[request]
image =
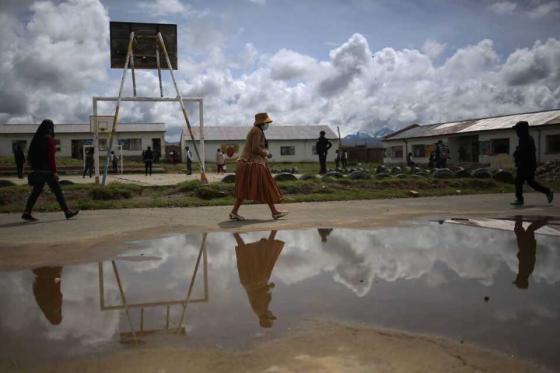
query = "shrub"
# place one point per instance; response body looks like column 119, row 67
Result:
column 308, row 177
column 6, row 183
column 208, row 192
column 285, row 177
column 110, row 193
column 229, row 179
column 188, row 186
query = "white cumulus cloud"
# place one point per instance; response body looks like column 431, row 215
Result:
column 503, row 8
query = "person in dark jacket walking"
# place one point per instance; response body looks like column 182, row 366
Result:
column 20, row 160
column 41, row 157
column 527, row 245
column 525, row 156
column 323, row 145
column 46, row 289
column 148, row 160
column 89, row 163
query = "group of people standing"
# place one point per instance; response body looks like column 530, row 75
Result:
column 438, row 157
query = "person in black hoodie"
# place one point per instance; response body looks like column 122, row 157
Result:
column 527, row 249
column 526, row 163
column 20, row 160
column 148, row 157
column 41, row 158
column 323, row 145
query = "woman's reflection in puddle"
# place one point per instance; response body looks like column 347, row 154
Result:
column 324, row 233
column 527, row 245
column 46, row 289
column 255, row 262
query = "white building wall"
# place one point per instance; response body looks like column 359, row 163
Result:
column 6, row 144
column 544, row 154
column 496, row 161
column 65, row 140
column 499, row 160
column 303, row 150
column 407, row 148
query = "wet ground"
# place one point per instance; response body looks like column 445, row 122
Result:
column 493, row 283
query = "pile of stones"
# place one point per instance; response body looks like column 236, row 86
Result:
column 293, row 170
column 549, row 171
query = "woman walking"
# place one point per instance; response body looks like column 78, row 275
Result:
column 255, row 262
column 253, row 180
column 41, row 158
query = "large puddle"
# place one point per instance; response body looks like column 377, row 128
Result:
column 493, row 282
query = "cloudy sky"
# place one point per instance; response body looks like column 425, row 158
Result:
column 357, row 64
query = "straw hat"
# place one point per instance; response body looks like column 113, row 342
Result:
column 262, row 118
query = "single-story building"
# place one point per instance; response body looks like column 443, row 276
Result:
column 485, row 140
column 286, row 143
column 70, row 138
column 369, row 149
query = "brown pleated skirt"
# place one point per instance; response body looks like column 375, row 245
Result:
column 254, row 182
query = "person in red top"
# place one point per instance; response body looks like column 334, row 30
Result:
column 41, row 158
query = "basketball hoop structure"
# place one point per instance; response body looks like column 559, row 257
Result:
column 182, row 302
column 140, row 46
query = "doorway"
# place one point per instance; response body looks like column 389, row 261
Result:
column 156, row 146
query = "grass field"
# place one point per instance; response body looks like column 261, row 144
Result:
column 135, row 163
column 193, row 193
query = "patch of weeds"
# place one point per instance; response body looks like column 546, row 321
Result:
column 188, row 186
column 297, row 188
column 308, row 177
column 6, row 183
column 346, row 182
column 323, row 189
column 209, row 192
column 111, row 193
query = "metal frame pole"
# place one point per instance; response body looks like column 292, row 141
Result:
column 123, row 298
column 101, row 287
column 133, row 75
column 95, row 141
column 201, row 125
column 113, row 130
column 193, row 278
column 203, row 177
column 159, row 70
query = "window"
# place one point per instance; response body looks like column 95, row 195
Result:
column 500, row 146
column 553, row 144
column 396, row 152
column 287, row 150
column 314, row 149
column 419, row 150
column 484, row 147
column 57, row 144
column 103, row 144
column 131, row 144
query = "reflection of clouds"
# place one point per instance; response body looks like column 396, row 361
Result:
column 357, row 258
column 353, row 258
column 81, row 318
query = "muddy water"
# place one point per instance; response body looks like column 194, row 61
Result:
column 492, row 282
